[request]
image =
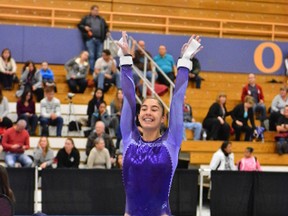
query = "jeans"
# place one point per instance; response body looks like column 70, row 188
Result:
column 100, row 80
column 45, row 122
column 196, row 127
column 12, row 158
column 94, row 47
column 197, row 79
column 31, row 123
column 77, row 85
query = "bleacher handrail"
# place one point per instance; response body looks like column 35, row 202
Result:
column 221, row 29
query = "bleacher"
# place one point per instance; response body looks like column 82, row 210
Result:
column 254, row 19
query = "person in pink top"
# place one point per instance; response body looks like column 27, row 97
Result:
column 249, row 162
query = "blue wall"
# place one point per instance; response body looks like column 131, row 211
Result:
column 57, row 45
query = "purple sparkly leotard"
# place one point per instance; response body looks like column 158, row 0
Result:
column 148, row 167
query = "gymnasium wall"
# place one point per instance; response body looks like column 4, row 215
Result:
column 57, row 45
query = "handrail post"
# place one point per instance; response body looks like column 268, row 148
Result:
column 144, row 90
column 201, row 192
column 36, row 190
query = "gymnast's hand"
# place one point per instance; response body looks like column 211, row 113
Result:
column 190, row 49
column 123, row 45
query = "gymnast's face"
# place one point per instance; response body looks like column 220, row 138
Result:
column 151, row 115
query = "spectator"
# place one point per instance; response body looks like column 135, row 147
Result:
column 214, row 122
column 43, row 154
column 99, row 156
column 223, row 159
column 115, row 110
column 7, row 69
column 277, row 108
column 166, row 63
column 106, row 71
column 249, row 162
column 189, row 122
column 94, row 103
column 240, row 115
column 100, row 132
column 15, row 141
column 47, row 75
column 94, row 30
column 282, row 129
column 101, row 115
column 256, row 92
column 194, row 73
column 119, row 161
column 31, row 79
column 68, row 156
column 5, row 122
column 77, row 69
column 5, row 188
column 26, row 110
column 50, row 113
column 139, row 62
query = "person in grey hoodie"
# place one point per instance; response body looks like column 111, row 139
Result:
column 43, row 154
column 77, row 70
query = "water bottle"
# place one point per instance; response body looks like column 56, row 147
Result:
column 204, row 135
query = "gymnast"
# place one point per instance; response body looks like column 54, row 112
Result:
column 150, row 160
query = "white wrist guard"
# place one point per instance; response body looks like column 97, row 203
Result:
column 183, row 62
column 126, row 60
column 192, row 49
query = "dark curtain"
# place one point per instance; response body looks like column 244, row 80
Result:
column 231, row 193
column 22, row 181
column 271, row 194
column 87, row 192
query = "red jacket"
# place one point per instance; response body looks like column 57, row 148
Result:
column 245, row 92
column 11, row 137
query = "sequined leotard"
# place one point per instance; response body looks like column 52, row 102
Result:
column 148, row 167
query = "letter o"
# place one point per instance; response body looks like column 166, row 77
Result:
column 258, row 57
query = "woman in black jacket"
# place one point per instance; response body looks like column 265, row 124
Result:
column 214, row 122
column 94, row 103
column 240, row 115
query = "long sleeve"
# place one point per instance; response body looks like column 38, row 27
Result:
column 43, row 109
column 176, row 107
column 258, row 167
column 69, row 68
column 275, row 102
column 244, row 92
column 215, row 162
column 127, row 121
column 57, row 107
column 13, row 64
column 37, row 156
column 91, row 159
column 251, row 117
column 38, row 80
column 107, row 159
column 5, row 110
column 2, row 67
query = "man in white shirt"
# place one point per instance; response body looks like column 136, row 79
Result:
column 105, row 71
column 50, row 113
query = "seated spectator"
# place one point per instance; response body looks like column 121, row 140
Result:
column 240, row 115
column 15, row 141
column 7, row 69
column 47, row 76
column 139, row 62
column 68, row 156
column 99, row 156
column 282, row 129
column 101, row 115
column 43, row 154
column 194, row 73
column 106, row 72
column 94, row 103
column 5, row 188
column 277, row 108
column 5, row 122
column 31, row 79
column 166, row 63
column 26, row 110
column 214, row 122
column 249, row 162
column 223, row 159
column 100, row 132
column 254, row 90
column 115, row 110
column 189, row 122
column 50, row 113
column 77, row 70
column 119, row 161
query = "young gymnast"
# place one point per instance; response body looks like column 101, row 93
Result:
column 149, row 162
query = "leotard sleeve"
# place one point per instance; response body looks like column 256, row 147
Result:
column 128, row 114
column 176, row 106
